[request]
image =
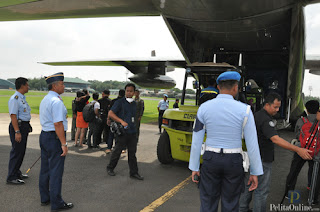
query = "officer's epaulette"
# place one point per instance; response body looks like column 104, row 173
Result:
column 16, row 97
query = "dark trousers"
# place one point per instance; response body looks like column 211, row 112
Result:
column 221, row 177
column 73, row 127
column 296, row 166
column 17, row 151
column 110, row 139
column 161, row 112
column 129, row 141
column 138, row 129
column 105, row 132
column 51, row 172
column 95, row 131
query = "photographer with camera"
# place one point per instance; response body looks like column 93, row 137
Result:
column 111, row 136
column 123, row 111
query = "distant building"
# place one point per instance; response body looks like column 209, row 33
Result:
column 5, row 84
column 114, row 92
column 75, row 84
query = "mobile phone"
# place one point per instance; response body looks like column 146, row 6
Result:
column 196, row 178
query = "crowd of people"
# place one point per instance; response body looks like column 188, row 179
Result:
column 222, row 172
column 97, row 131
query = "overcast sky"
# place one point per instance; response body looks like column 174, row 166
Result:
column 25, row 43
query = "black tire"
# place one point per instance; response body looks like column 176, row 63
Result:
column 164, row 149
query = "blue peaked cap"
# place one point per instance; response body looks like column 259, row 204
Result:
column 228, row 75
column 54, row 77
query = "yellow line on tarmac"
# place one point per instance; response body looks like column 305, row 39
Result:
column 166, row 196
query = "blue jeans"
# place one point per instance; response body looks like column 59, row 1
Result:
column 260, row 194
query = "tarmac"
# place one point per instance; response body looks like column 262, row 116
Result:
column 88, row 186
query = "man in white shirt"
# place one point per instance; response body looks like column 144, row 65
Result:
column 96, row 124
column 162, row 106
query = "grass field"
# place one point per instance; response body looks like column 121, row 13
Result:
column 34, row 98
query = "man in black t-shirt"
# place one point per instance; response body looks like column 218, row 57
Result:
column 124, row 111
column 105, row 103
column 176, row 104
column 111, row 135
column 267, row 137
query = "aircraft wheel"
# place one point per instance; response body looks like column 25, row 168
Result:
column 164, row 149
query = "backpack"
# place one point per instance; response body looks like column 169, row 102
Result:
column 309, row 136
column 88, row 112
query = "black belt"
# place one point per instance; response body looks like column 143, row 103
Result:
column 22, row 122
column 51, row 131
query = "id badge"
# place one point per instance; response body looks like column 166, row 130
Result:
column 132, row 119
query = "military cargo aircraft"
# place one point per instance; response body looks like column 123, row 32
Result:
column 270, row 35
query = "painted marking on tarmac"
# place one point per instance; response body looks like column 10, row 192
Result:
column 166, row 196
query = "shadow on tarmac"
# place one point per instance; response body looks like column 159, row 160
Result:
column 87, row 185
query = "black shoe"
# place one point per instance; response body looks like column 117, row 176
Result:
column 111, row 172
column 96, row 147
column 89, row 147
column 45, row 203
column 15, row 182
column 315, row 202
column 66, row 206
column 24, row 176
column 137, row 176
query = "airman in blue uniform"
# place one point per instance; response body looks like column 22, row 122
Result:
column 19, row 129
column 222, row 170
column 162, row 106
column 53, row 119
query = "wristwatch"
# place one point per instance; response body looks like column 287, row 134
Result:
column 17, row 131
column 64, row 144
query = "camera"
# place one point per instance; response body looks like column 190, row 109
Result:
column 117, row 128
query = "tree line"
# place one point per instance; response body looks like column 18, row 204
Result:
column 307, row 98
column 41, row 85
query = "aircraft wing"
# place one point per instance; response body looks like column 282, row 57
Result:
column 313, row 64
column 13, row 10
column 147, row 73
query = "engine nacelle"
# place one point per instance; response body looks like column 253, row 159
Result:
column 153, row 81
